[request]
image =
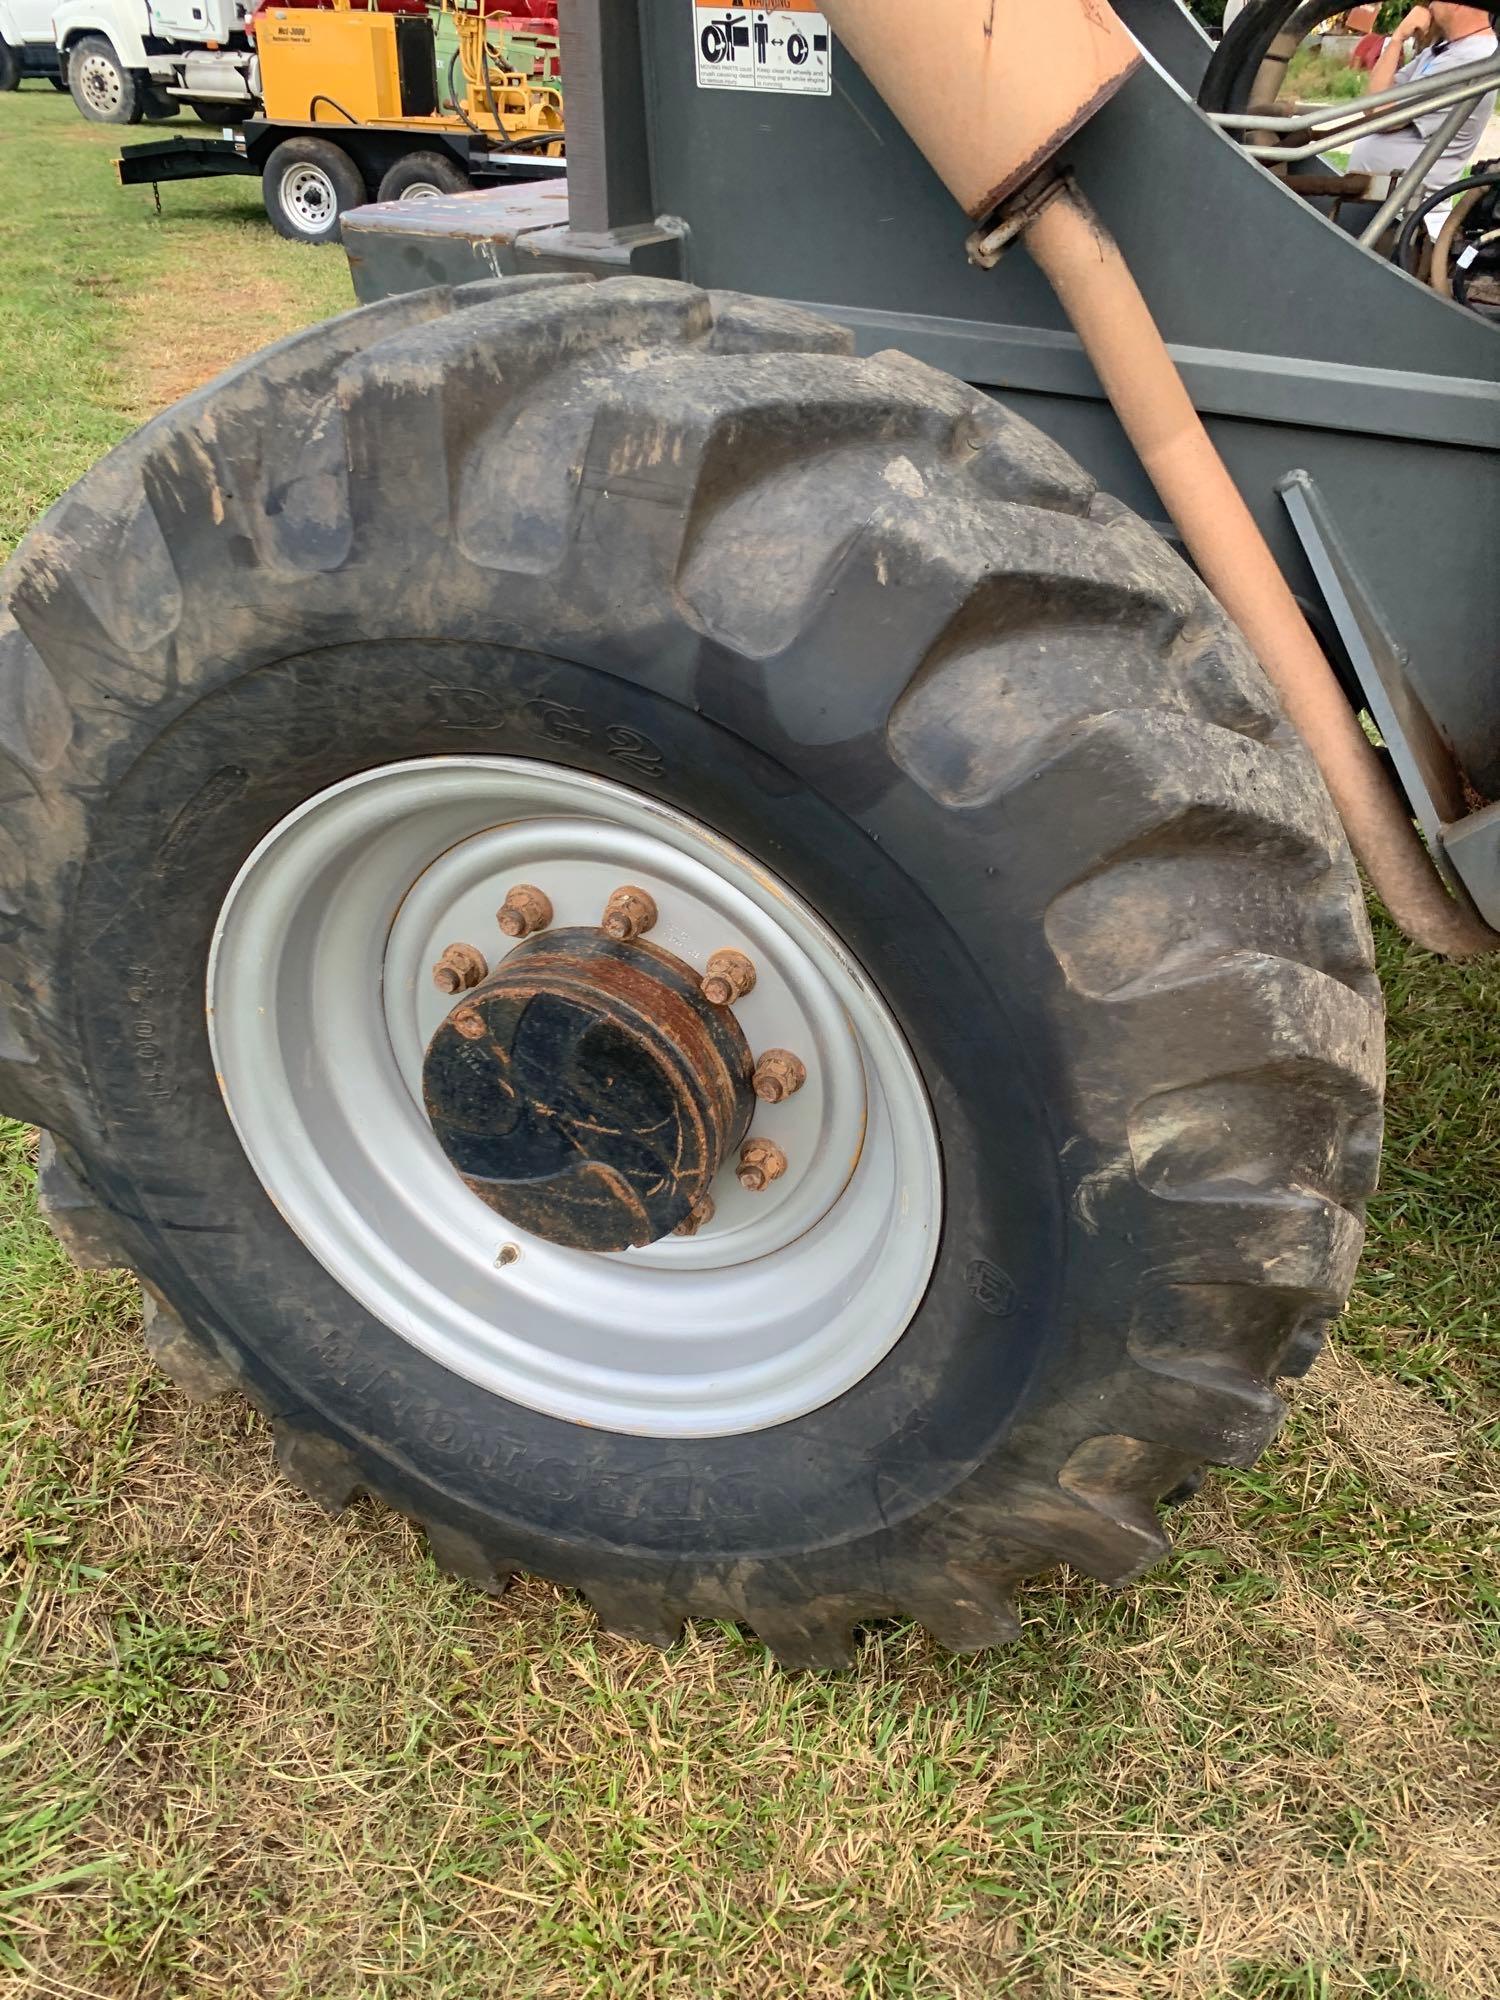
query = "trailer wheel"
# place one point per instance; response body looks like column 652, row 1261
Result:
column 105, row 91
column 309, row 186
column 1034, row 1150
column 421, row 176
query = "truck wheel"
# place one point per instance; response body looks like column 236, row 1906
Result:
column 10, row 68
column 103, row 89
column 309, row 186
column 565, row 599
column 421, row 176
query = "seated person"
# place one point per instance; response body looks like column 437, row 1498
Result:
column 1465, row 36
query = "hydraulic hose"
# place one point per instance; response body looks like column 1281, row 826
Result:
column 1083, row 264
column 1406, row 247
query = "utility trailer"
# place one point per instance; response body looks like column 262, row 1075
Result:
column 311, row 177
column 653, row 916
column 350, row 110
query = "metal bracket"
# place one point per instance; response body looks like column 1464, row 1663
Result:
column 987, row 245
column 1465, row 846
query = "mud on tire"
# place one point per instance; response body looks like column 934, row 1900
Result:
column 887, row 638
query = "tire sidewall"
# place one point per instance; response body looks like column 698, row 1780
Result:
column 175, row 832
column 423, row 168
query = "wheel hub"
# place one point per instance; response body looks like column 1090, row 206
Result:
column 435, row 891
column 101, row 86
column 587, row 1091
column 308, row 194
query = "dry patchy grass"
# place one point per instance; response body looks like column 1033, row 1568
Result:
column 246, row 1752
column 108, row 310
column 298, row 1761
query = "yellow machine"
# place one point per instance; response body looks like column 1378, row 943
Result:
column 350, row 65
column 496, row 94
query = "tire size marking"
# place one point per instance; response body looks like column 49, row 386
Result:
column 636, row 752
column 783, row 46
column 144, row 1047
column 469, row 708
column 466, row 708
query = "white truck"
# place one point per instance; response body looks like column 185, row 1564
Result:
column 124, row 60
column 27, row 46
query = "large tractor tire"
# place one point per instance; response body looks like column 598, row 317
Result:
column 623, row 594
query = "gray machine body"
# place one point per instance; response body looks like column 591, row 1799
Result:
column 1358, row 411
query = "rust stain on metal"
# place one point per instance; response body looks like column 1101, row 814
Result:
column 761, row 1162
column 525, row 909
column 778, row 1075
column 729, row 976
column 628, row 913
column 461, row 967
column 702, row 1212
column 1038, row 157
column 601, row 1096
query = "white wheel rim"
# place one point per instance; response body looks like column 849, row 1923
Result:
column 100, row 83
column 309, row 198
column 419, row 191
column 320, row 1006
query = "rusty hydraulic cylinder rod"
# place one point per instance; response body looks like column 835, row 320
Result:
column 1083, row 264
column 1005, row 84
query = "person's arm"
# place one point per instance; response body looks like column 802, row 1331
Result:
column 1383, row 75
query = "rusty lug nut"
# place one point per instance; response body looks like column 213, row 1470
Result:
column 469, row 1023
column 627, row 913
column 729, row 977
column 778, row 1075
column 761, row 1162
column 459, row 968
column 701, row 1211
column 524, row 910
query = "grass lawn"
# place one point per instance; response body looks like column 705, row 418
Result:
column 246, row 1752
column 1315, row 78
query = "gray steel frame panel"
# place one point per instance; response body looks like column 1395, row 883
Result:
column 1296, row 343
